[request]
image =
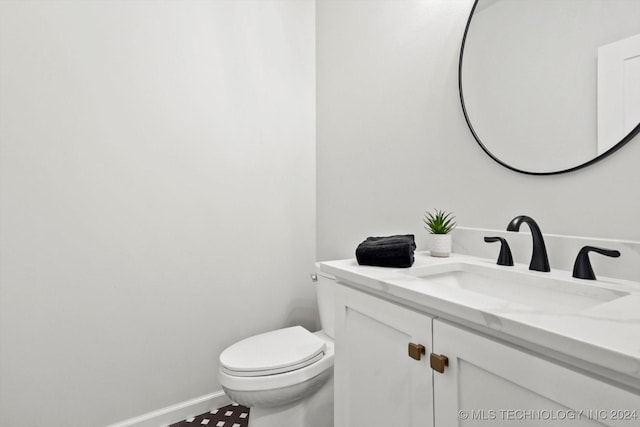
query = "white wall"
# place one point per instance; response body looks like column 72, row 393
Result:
column 157, row 197
column 392, row 140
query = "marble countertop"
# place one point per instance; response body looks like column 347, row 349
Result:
column 605, row 337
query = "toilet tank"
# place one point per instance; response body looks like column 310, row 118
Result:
column 325, row 291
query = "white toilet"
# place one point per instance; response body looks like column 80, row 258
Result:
column 285, row 376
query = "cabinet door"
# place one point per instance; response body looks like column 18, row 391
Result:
column 377, row 383
column 489, row 383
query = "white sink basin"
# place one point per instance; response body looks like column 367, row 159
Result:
column 531, row 289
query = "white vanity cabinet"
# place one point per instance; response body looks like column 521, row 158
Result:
column 491, row 383
column 377, row 383
column 486, row 382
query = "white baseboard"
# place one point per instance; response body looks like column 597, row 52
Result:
column 178, row 412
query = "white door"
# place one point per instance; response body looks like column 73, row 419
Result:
column 377, row 383
column 489, row 383
column 618, row 91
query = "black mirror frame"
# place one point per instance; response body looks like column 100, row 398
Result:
column 607, row 153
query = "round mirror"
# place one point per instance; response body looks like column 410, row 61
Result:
column 551, row 86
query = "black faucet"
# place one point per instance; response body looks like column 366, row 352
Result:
column 582, row 267
column 504, row 257
column 539, row 258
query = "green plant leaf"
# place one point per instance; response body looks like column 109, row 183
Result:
column 439, row 222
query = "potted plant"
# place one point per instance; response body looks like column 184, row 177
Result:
column 439, row 224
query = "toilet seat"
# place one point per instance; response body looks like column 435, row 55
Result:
column 285, row 379
column 273, row 352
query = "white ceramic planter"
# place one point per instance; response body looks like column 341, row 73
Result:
column 440, row 245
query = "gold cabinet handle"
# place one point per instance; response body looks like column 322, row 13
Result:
column 416, row 350
column 438, row 362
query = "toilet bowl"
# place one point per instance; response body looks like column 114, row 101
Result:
column 285, row 376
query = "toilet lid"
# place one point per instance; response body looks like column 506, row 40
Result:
column 273, row 352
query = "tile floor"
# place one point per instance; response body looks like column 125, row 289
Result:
column 233, row 415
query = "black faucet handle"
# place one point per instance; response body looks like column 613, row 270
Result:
column 582, row 267
column 504, row 258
